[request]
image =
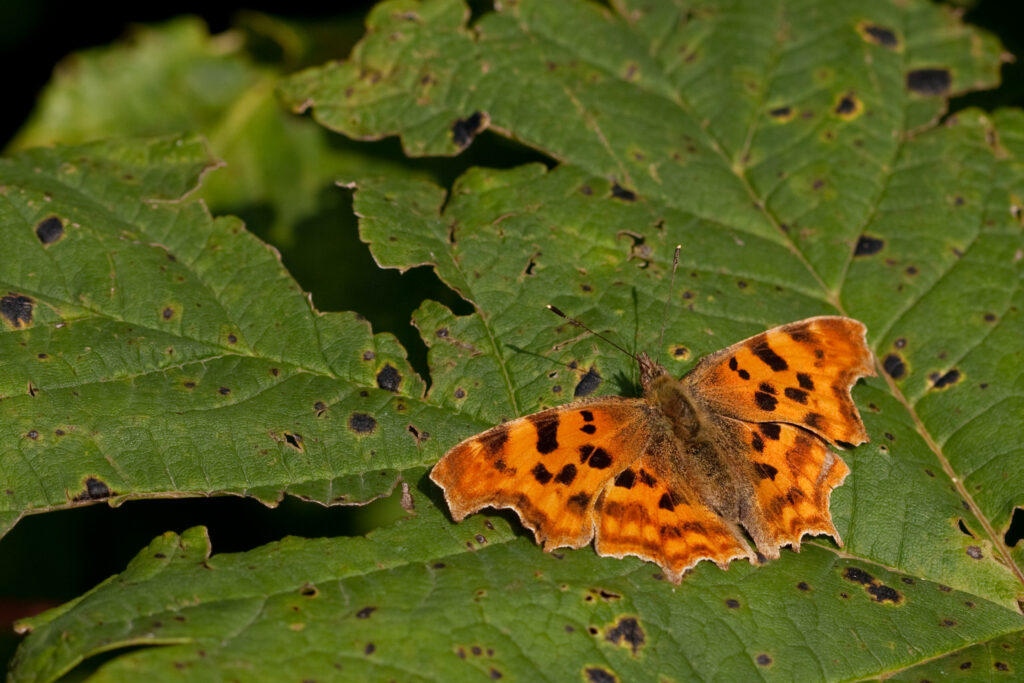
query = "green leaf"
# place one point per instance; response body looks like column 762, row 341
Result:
column 153, row 350
column 176, row 77
column 410, row 602
column 790, row 147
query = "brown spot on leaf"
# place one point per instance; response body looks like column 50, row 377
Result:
column 95, row 489
column 388, row 378
column 866, row 246
column 465, row 130
column 49, row 230
column 16, row 310
column 361, row 423
column 894, row 366
column 627, row 632
column 929, row 81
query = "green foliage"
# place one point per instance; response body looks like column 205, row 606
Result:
column 151, row 349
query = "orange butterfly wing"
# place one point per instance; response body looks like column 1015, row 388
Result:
column 549, row 467
column 800, row 373
column 794, row 473
column 652, row 514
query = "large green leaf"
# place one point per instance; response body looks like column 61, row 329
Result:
column 428, row 600
column 150, row 349
column 790, row 147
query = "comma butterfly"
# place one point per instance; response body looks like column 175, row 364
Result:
column 741, row 440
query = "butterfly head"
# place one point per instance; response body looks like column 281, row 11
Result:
column 649, row 370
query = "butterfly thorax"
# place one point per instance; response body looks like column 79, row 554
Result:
column 668, row 395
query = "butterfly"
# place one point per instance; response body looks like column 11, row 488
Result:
column 736, row 449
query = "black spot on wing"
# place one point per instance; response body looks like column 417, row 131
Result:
column 493, row 440
column 626, row 479
column 541, row 474
column 798, row 395
column 600, row 459
column 580, row 499
column 585, row 452
column 546, row 425
column 764, row 352
column 665, row 502
column 765, row 401
column 765, row 471
column 587, row 415
column 757, row 442
column 767, row 388
column 567, row 474
column 744, row 374
column 733, row 364
column 770, row 430
column 647, row 479
column 813, row 420
column 588, row 429
column 805, row 381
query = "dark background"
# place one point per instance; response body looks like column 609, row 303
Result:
column 48, row 559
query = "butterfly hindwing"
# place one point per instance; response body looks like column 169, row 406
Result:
column 649, row 512
column 548, row 467
column 794, row 473
column 800, row 373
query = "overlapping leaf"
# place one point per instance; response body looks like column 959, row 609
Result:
column 790, row 148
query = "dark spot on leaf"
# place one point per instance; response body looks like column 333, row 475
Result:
column 466, row 129
column 481, row 539
column 16, row 310
column 965, row 666
column 460, row 393
column 951, row 377
column 780, row 112
column 620, row 192
column 629, row 632
column 294, row 440
column 49, row 230
column 894, row 366
column 881, row 35
column 361, row 423
column 847, row 105
column 883, row 593
column 494, row 674
column 763, row 660
column 95, row 489
column 868, row 245
column 224, row 391
column 732, row 603
column 388, row 378
column 168, row 313
column 308, row 590
column 588, row 383
column 370, row 648
column 803, row 586
column 596, row 674
column 1001, row 666
column 948, row 622
column 320, row 407
column 974, row 552
column 369, row 355
column 232, row 339
column 929, row 81
column 857, row 575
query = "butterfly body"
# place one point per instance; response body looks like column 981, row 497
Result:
column 739, row 444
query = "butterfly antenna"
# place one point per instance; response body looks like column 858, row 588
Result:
column 668, row 299
column 577, row 323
